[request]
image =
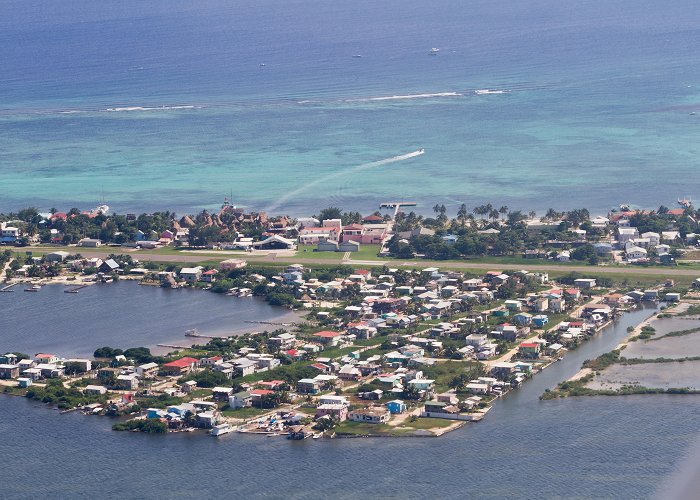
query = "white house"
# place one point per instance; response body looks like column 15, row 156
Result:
column 634, row 252
column 191, row 274
column 625, row 234
column 654, row 238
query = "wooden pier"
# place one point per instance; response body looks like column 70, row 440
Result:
column 396, row 205
column 7, row 288
column 196, row 334
column 75, row 289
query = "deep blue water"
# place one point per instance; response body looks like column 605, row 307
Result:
column 614, row 447
column 597, row 113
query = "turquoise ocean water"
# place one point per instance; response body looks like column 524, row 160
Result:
column 260, row 99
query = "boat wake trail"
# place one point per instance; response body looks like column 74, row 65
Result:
column 407, row 96
column 322, row 180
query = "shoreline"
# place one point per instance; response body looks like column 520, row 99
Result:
column 592, row 381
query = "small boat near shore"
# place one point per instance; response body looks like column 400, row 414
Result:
column 33, row 288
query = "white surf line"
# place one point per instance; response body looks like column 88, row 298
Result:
column 283, row 199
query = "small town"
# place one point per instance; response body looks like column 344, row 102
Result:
column 377, row 350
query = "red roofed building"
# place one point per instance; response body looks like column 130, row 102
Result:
column 45, row 358
column 312, row 235
column 529, row 350
column 328, row 337
column 180, row 366
column 260, row 392
column 272, row 384
column 373, row 219
column 323, row 368
column 209, row 276
column 294, row 353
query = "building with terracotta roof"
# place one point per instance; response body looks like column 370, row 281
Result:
column 180, row 366
column 328, row 337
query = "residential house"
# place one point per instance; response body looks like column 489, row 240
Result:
column 396, row 407
column 540, row 321
column 9, row 371
column 625, row 234
column 221, row 393
column 337, row 411
column 371, row 415
column 209, row 276
column 349, row 372
column 180, row 366
column 95, row 390
column 232, row 264
column 45, row 358
column 523, row 319
column 59, row 256
column 244, row 366
column 240, row 400
column 585, row 283
column 109, row 266
column 328, row 338
column 308, row 386
column 191, row 274
column 127, row 382
column 529, row 350
column 76, row 365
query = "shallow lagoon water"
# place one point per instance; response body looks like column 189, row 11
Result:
column 123, row 315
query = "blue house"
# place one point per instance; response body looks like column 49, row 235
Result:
column 522, row 319
column 540, row 321
column 395, row 407
column 181, row 410
column 156, row 413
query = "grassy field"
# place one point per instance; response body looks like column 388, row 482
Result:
column 245, row 412
column 407, row 428
column 443, row 373
column 428, row 423
column 366, row 252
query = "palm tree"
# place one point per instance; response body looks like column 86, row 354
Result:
column 503, row 211
column 436, row 208
column 462, row 214
column 551, row 215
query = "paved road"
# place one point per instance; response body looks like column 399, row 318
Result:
column 278, row 259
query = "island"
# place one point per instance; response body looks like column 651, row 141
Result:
column 408, row 325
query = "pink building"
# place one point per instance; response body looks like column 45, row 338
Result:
column 370, row 234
